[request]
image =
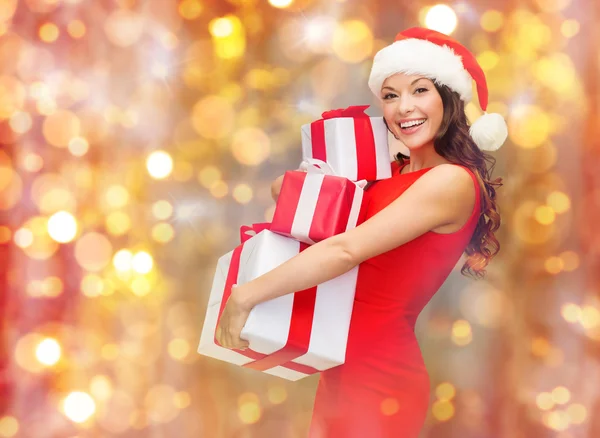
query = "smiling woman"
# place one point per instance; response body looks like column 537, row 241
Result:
column 435, row 207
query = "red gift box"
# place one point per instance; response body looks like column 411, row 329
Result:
column 317, row 204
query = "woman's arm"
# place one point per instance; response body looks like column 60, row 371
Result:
column 442, row 196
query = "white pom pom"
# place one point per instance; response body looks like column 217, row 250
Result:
column 489, row 132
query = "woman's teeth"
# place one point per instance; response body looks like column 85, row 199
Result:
column 412, row 123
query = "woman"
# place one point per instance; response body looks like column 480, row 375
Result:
column 436, row 206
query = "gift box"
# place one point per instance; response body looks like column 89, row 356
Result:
column 354, row 144
column 316, row 204
column 292, row 336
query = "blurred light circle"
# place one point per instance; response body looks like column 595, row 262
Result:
column 570, row 260
column 141, row 286
column 48, row 352
column 249, row 412
column 492, row 20
column 488, row 60
column 445, row 391
column 118, row 223
column 251, row 146
column 20, row 122
column 159, row 164
column 32, row 162
column 78, row 146
column 570, row 28
column 163, row 233
column 577, row 413
column 213, row 117
column 553, row 265
column 162, row 209
column 353, row 41
column 552, row 5
column 9, row 425
column 528, row 126
column 122, row 260
column 545, row 215
column 281, row 4
column 558, row 73
column 101, row 387
column 62, row 227
column 42, row 245
column 277, row 394
column 7, row 9
column 76, row 29
column 93, row 251
column 544, row 401
column 142, row 262
column 527, row 228
column 179, row 348
column 12, row 96
column 61, row 127
column 51, row 193
column 209, row 176
column 79, row 406
column 190, row 9
column 182, row 399
column 441, row 18
column 116, row 196
column 160, row 404
column 242, row 193
column 442, row 410
column 540, row 347
column 221, row 27
column 124, row 27
column 92, row 285
column 49, row 32
column 23, row 237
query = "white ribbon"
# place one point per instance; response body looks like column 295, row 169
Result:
column 316, row 166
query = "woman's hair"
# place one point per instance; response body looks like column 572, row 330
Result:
column 454, row 143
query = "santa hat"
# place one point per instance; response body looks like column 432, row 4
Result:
column 447, row 62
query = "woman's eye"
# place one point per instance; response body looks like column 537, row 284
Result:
column 389, row 96
column 420, row 90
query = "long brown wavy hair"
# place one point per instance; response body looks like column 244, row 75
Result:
column 454, row 143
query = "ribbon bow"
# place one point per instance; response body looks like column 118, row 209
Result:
column 254, row 228
column 316, row 166
column 351, row 111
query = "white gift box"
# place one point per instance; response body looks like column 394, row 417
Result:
column 355, row 147
column 269, row 324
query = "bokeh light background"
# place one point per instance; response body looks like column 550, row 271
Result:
column 138, row 135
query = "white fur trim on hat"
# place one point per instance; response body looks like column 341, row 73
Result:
column 414, row 56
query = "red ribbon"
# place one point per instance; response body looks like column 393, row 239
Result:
column 300, row 326
column 352, row 111
column 363, row 133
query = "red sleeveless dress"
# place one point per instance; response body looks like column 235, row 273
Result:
column 383, row 389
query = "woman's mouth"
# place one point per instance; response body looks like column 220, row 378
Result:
column 412, row 126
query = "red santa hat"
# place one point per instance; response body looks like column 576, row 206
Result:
column 447, row 62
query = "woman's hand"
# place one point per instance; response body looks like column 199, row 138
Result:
column 232, row 321
column 276, row 187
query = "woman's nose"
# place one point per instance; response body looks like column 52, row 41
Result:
column 405, row 105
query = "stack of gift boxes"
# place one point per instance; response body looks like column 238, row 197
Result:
column 305, row 332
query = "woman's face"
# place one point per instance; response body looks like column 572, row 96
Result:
column 413, row 109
